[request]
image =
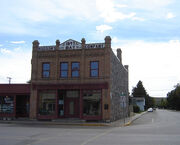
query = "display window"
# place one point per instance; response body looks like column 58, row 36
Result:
column 7, row 104
column 47, row 101
column 92, row 102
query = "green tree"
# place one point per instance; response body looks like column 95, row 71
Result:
column 149, row 102
column 163, row 103
column 139, row 91
column 173, row 98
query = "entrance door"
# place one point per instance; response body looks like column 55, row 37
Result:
column 22, row 106
column 72, row 107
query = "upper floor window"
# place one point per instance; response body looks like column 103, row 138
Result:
column 45, row 70
column 94, row 68
column 63, row 69
column 75, row 67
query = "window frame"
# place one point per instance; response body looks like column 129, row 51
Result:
column 75, row 70
column 39, row 103
column 48, row 70
column 94, row 69
column 64, row 69
column 92, row 92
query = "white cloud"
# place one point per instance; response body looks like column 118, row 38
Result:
column 52, row 10
column 1, row 45
column 108, row 11
column 149, row 4
column 138, row 19
column 121, row 6
column 170, row 15
column 17, row 42
column 155, row 63
column 103, row 28
column 5, row 51
column 17, row 66
column 115, row 40
column 17, row 49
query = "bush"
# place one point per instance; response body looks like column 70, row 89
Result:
column 136, row 109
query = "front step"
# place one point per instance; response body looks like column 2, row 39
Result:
column 69, row 120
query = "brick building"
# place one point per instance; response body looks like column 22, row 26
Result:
column 78, row 80
column 70, row 80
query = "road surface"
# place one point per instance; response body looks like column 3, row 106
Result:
column 160, row 127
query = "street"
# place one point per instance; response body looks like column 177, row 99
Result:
column 161, row 127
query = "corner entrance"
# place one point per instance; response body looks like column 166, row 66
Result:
column 22, row 106
column 68, row 103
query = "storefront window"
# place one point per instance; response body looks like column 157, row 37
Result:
column 92, row 103
column 47, row 101
column 6, row 104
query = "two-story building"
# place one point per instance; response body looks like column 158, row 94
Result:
column 78, row 80
column 70, row 80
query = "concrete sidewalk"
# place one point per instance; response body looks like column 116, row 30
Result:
column 119, row 123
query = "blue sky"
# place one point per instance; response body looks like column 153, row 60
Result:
column 147, row 31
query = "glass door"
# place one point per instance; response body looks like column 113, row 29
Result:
column 61, row 96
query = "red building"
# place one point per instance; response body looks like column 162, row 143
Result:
column 14, row 100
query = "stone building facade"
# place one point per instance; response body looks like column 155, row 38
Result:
column 78, row 80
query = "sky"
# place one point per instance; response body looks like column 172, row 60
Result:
column 147, row 31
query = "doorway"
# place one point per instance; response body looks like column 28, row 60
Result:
column 72, row 107
column 22, row 106
column 68, row 103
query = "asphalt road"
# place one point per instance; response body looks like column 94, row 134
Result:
column 160, row 127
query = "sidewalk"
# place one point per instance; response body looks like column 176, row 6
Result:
column 118, row 123
column 127, row 121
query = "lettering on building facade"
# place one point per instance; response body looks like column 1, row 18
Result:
column 72, row 44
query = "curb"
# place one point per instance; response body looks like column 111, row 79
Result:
column 135, row 118
column 53, row 123
column 71, row 124
column 128, row 123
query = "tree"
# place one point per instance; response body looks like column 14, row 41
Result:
column 173, row 98
column 139, row 91
column 149, row 102
column 163, row 103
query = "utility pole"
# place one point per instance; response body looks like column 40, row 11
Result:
column 9, row 79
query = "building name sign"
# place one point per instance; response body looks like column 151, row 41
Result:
column 70, row 44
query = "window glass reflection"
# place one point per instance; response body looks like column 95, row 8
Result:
column 47, row 101
column 94, row 69
column 6, row 104
column 92, row 103
column 63, row 69
column 75, row 68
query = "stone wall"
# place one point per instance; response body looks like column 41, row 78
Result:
column 119, row 88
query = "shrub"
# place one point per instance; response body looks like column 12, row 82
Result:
column 136, row 109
